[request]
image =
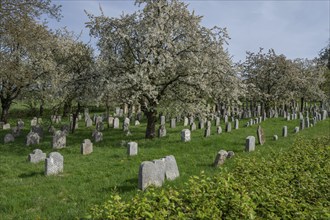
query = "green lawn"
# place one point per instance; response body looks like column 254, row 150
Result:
column 87, row 180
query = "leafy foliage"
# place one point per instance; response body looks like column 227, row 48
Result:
column 291, row 185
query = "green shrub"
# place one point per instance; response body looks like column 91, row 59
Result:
column 291, row 184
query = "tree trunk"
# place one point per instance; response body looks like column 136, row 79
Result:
column 5, row 105
column 74, row 119
column 302, row 104
column 151, row 124
column 66, row 108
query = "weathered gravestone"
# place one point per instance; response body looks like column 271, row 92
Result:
column 38, row 129
column 185, row 135
column 162, row 120
column 275, row 137
column 88, row 122
column 250, row 143
column 220, row 158
column 97, row 135
column 86, row 147
column 207, row 131
column 110, row 121
column 137, row 123
column 8, row 138
column 228, row 127
column 296, row 129
column 16, row 131
column 219, row 130
column 126, row 124
column 116, row 123
column 59, row 140
column 32, row 138
column 6, row 126
column 261, row 135
column 307, row 122
column 154, row 172
column 34, row 121
column 193, row 126
column 161, row 131
column 236, row 124
column 54, row 164
column 51, row 129
column 171, row 168
column 285, row 131
column 230, row 154
column 99, row 126
column 185, row 121
column 132, row 148
column 65, row 129
column 37, row 156
column 191, row 120
column 201, row 124
column 302, row 124
column 324, row 114
column 151, row 173
column 20, row 124
column 217, row 121
column 173, row 123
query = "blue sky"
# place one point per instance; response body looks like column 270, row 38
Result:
column 297, row 29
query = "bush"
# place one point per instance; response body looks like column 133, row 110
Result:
column 291, row 184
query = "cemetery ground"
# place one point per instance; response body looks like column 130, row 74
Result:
column 26, row 193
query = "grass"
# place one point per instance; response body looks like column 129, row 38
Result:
column 87, row 180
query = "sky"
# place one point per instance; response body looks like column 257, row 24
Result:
column 297, row 29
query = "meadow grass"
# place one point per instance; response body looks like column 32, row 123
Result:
column 87, row 180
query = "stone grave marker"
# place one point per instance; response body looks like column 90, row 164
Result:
column 307, row 122
column 285, row 131
column 151, row 173
column 173, row 123
column 36, row 156
column 302, row 124
column 99, row 126
column 171, row 168
column 220, row 158
column 38, row 129
column 296, row 129
column 185, row 121
column 161, row 131
column 250, row 143
column 236, row 124
column 137, row 123
column 34, row 121
column 132, row 148
column 185, row 135
column 219, row 130
column 88, row 122
column 228, row 127
column 261, row 135
column 54, row 164
column 193, row 126
column 110, row 121
column 275, row 137
column 116, row 123
column 59, row 140
column 16, row 131
column 162, row 120
column 20, row 124
column 32, row 138
column 8, row 138
column 86, row 147
column 98, row 136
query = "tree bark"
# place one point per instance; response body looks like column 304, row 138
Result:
column 5, row 105
column 151, row 124
column 74, row 119
column 302, row 104
column 66, row 108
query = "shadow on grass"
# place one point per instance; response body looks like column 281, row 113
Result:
column 126, row 186
column 31, row 174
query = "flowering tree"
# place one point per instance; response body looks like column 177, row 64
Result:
column 161, row 55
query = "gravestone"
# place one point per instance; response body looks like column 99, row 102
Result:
column 185, row 135
column 261, row 135
column 275, row 137
column 116, row 123
column 65, row 129
column 32, row 138
column 324, row 114
column 191, row 120
column 136, row 123
column 236, row 124
column 8, row 138
column 285, row 131
column 86, row 147
column 201, row 124
column 20, row 124
column 151, row 173
column 16, row 131
column 110, row 121
column 89, row 122
column 288, row 117
column 219, row 130
column 97, row 135
column 230, row 154
column 185, row 121
column 161, row 131
column 171, row 168
column 226, row 119
column 307, row 122
column 54, row 164
column 250, row 143
column 34, row 121
column 296, row 129
column 38, row 129
column 228, row 127
column 193, row 126
column 36, row 156
column 302, row 124
column 162, row 120
column 126, row 124
column 6, row 126
column 99, row 126
column 51, row 129
column 173, row 123
column 59, row 140
column 207, row 131
column 132, row 148
column 220, row 158
column 217, row 121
